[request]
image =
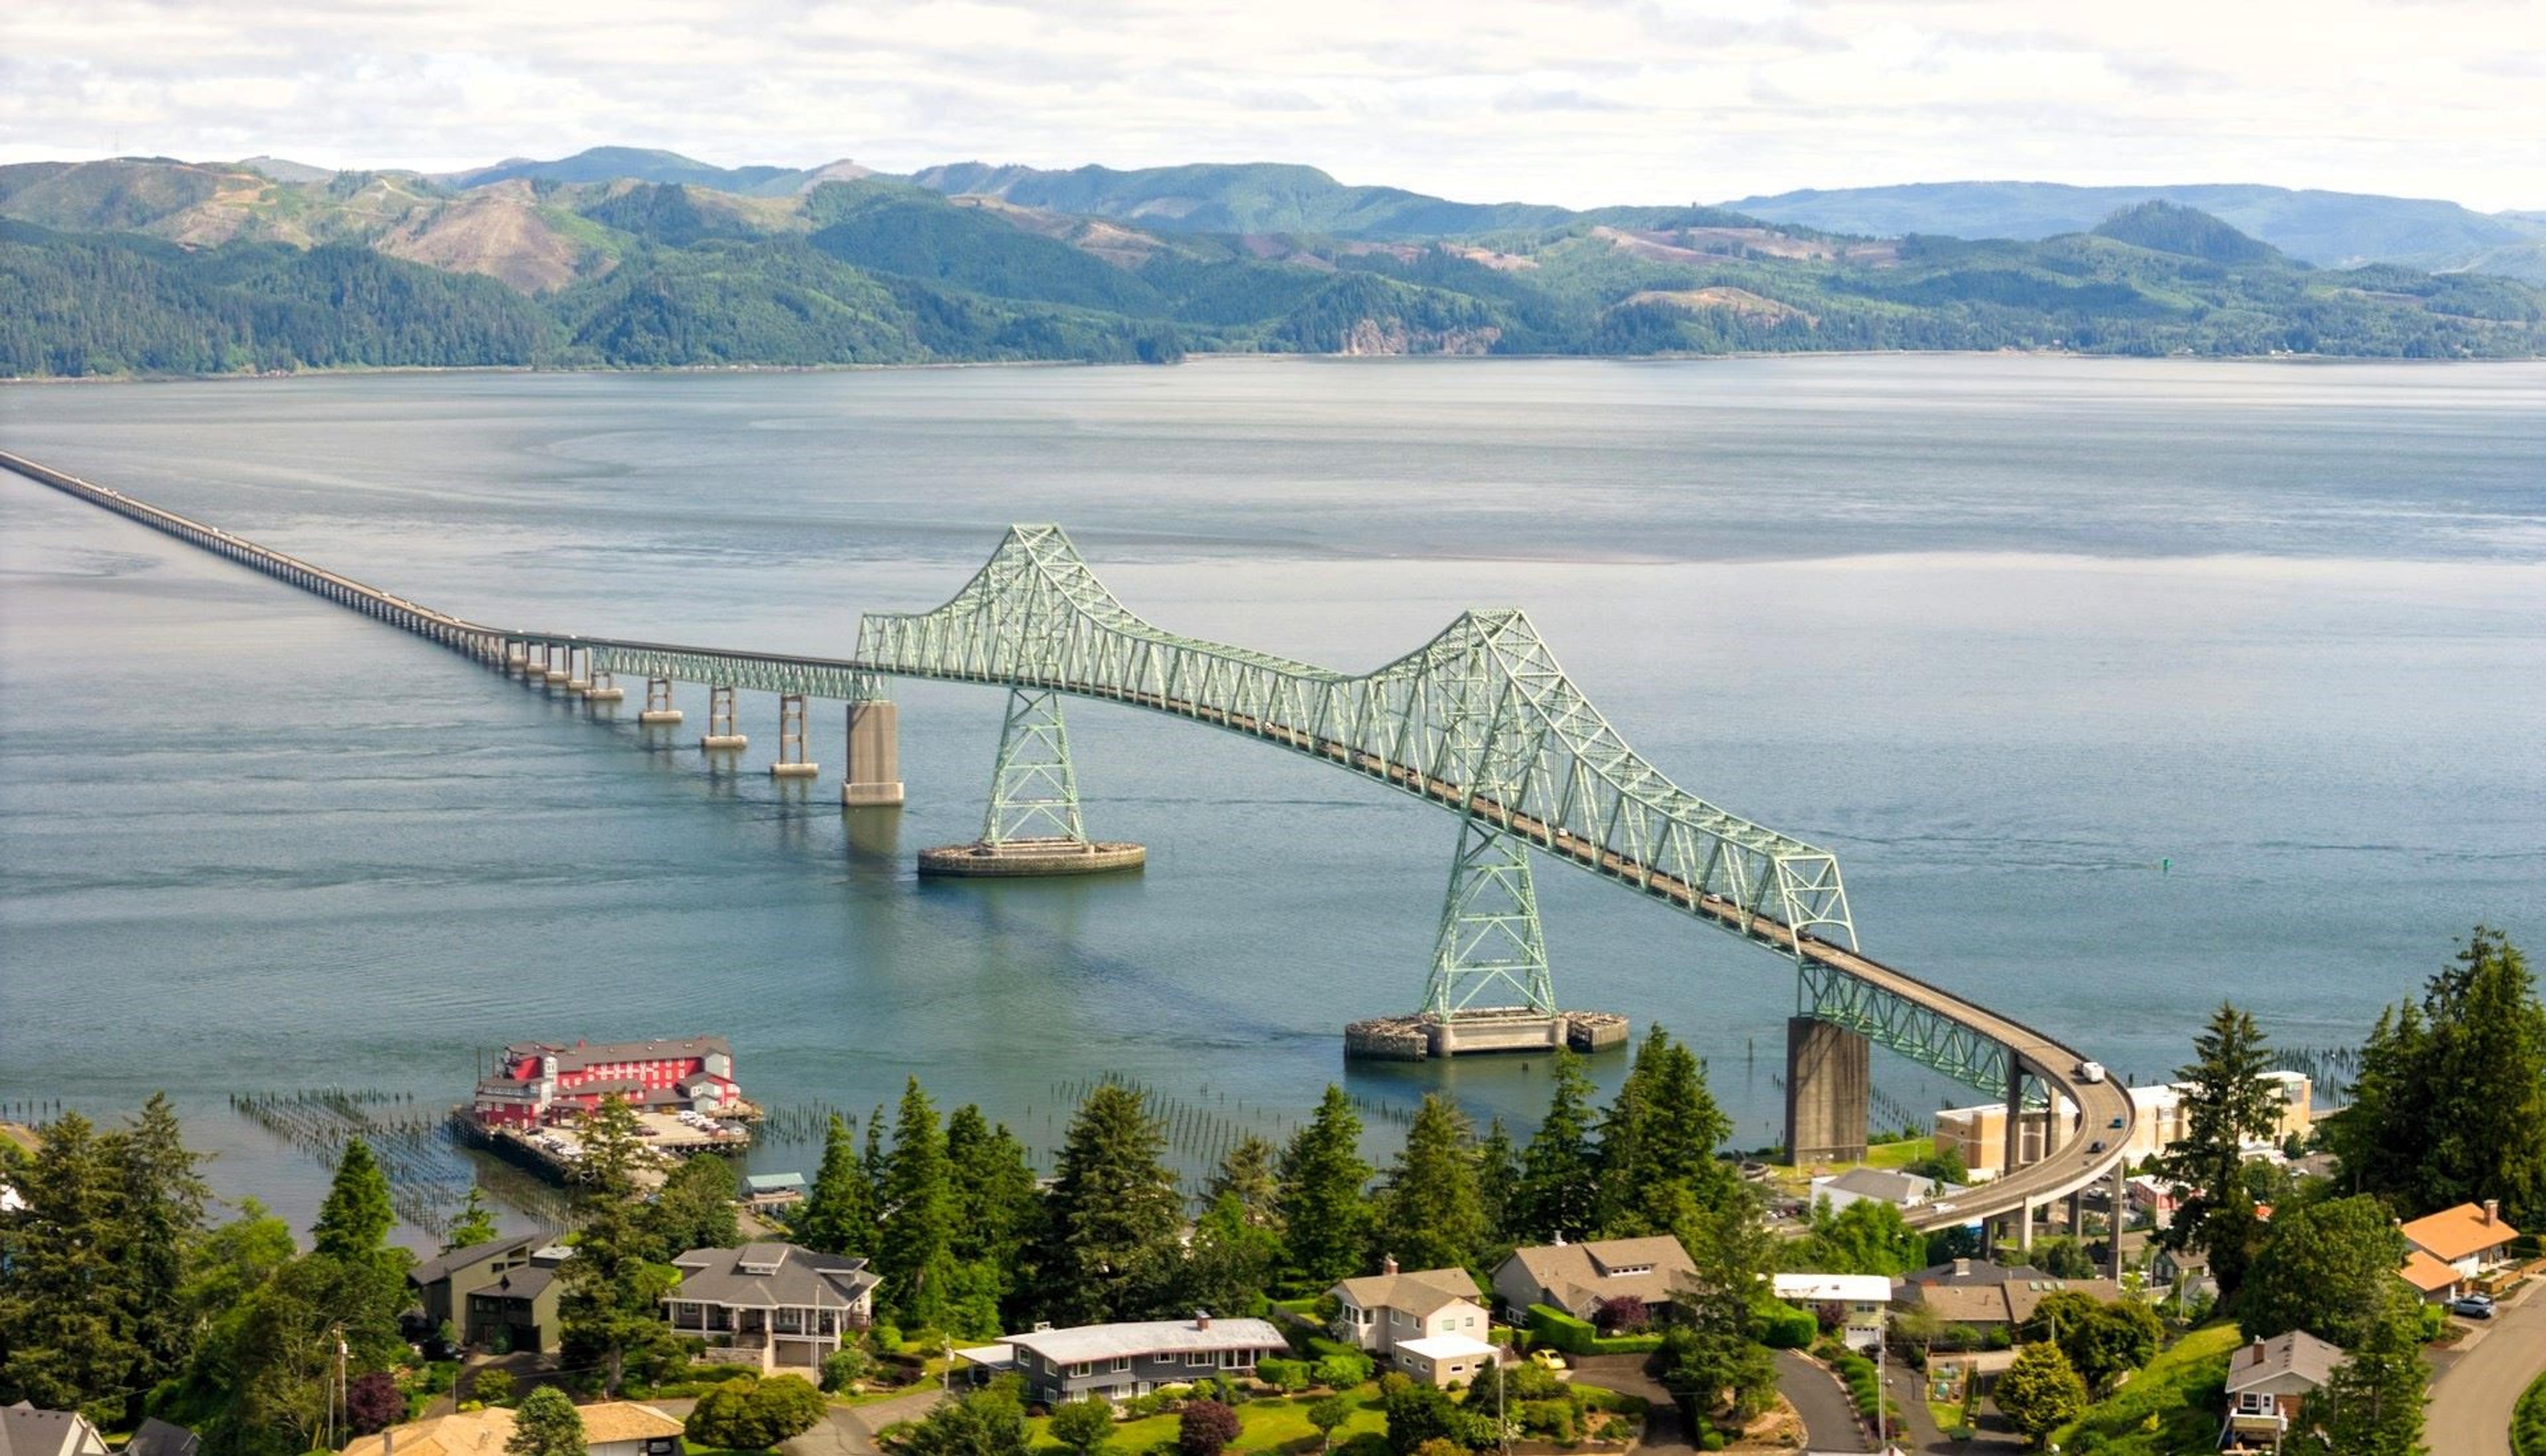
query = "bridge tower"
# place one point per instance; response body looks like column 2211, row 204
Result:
column 1490, row 938
column 1033, row 825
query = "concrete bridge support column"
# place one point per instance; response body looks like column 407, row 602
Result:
column 721, row 729
column 658, row 702
column 560, row 662
column 792, row 762
column 605, row 687
column 2015, row 1115
column 2024, row 1227
column 875, row 756
column 1828, row 1075
column 2121, row 1215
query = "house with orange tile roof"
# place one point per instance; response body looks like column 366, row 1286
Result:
column 2434, row 1281
column 2469, row 1239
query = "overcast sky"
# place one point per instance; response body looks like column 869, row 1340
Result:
column 1483, row 100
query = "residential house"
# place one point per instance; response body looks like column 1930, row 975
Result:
column 1445, row 1360
column 157, row 1438
column 1379, row 1312
column 1120, row 1362
column 2472, row 1240
column 771, row 1304
column 459, row 1433
column 28, row 1431
column 1982, row 1294
column 2434, row 1282
column 1877, row 1185
column 500, row 1293
column 627, row 1428
column 2155, row 1199
column 2185, row 1272
column 1860, row 1300
column 2266, row 1382
column 2157, row 1118
column 1579, row 1278
column 772, row 1190
column 539, row 1082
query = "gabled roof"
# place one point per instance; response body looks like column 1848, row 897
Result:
column 2296, row 1353
column 28, row 1431
column 461, row 1434
column 2455, row 1233
column 583, row 1054
column 157, row 1438
column 1420, row 1293
column 1578, row 1275
column 2426, row 1274
column 624, row 1421
column 444, row 1266
column 1879, row 1183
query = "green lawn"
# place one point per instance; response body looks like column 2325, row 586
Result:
column 1273, row 1424
column 2179, row 1391
column 1900, row 1155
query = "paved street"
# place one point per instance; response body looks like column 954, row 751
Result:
column 2472, row 1397
column 1829, row 1417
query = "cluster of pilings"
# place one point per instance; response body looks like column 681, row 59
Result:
column 428, row 1175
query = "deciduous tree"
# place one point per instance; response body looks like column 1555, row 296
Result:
column 2040, row 1393
column 546, row 1425
column 2326, row 1268
column 694, row 1209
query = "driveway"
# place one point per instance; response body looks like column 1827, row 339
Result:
column 1829, row 1417
column 2472, row 1396
column 1626, row 1375
column 852, row 1428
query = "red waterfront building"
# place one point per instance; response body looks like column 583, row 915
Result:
column 537, row 1082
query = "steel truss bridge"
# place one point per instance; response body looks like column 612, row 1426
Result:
column 1480, row 720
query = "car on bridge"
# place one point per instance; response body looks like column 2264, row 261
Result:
column 2091, row 1072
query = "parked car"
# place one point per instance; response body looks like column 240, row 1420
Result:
column 2473, row 1306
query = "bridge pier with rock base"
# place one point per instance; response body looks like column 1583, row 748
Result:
column 1034, row 829
column 874, row 755
column 1499, row 1029
column 1828, row 1078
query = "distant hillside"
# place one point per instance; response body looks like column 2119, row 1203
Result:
column 2189, row 231
column 642, row 164
column 137, row 266
column 1244, row 196
column 2323, row 227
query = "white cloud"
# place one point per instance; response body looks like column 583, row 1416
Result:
column 1577, row 103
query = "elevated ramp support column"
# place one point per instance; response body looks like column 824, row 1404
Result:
column 1828, row 1079
column 874, row 755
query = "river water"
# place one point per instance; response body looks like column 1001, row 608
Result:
column 2119, row 687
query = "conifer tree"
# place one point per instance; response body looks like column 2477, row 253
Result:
column 1108, row 1250
column 1497, row 1175
column 2486, row 1135
column 160, row 1216
column 63, row 1345
column 474, row 1225
column 694, row 1209
column 997, row 1205
column 2373, row 1404
column 2227, row 1104
column 1659, row 1136
column 1431, row 1215
column 1247, row 1172
column 611, row 1304
column 1323, row 1200
column 546, row 1425
column 912, row 1253
column 838, row 1215
column 357, row 1215
column 1557, row 1192
column 2040, row 1391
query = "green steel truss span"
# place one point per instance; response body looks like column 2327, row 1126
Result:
column 1480, row 720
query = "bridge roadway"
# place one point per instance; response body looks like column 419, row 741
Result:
column 2103, row 1111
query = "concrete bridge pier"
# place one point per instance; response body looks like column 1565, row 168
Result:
column 722, row 733
column 605, row 687
column 658, row 702
column 875, row 756
column 1828, row 1079
column 578, row 680
column 557, row 663
column 792, row 762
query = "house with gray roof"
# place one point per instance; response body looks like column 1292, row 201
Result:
column 1878, row 1185
column 2267, row 1381
column 1379, row 1312
column 1579, row 1278
column 771, row 1305
column 502, row 1292
column 1121, row 1362
column 28, row 1431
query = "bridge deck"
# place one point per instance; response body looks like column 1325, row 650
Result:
column 2104, row 1109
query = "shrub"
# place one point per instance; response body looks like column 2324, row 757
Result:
column 1550, row 1419
column 494, row 1386
column 748, row 1415
column 373, row 1401
column 2528, row 1420
column 845, row 1367
column 1084, row 1426
column 1624, row 1314
column 887, row 1336
column 1205, row 1428
column 1713, row 1440
column 1784, row 1327
column 546, row 1425
column 1341, row 1370
column 1288, row 1376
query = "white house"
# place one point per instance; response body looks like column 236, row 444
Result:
column 1877, row 1185
column 1444, row 1360
column 1861, row 1299
column 1381, row 1312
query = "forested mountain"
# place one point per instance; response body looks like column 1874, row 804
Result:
column 2336, row 228
column 140, row 266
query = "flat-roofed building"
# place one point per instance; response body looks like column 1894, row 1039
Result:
column 1120, row 1362
column 1977, row 1134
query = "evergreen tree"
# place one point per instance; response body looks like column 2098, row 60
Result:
column 2227, row 1104
column 1232, row 1259
column 2378, row 1141
column 61, row 1344
column 545, row 1423
column 474, row 1225
column 997, row 1205
column 1324, row 1208
column 1661, row 1136
column 1431, row 1215
column 1248, row 1171
column 2373, row 1404
column 838, row 1215
column 1713, row 1360
column 694, row 1209
column 1497, row 1174
column 357, row 1217
column 1559, row 1189
column 159, row 1214
column 612, row 1299
column 2487, row 1135
column 1108, row 1247
column 913, row 1254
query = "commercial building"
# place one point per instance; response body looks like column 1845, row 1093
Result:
column 1878, row 1185
column 1120, row 1362
column 1979, row 1134
column 536, row 1082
